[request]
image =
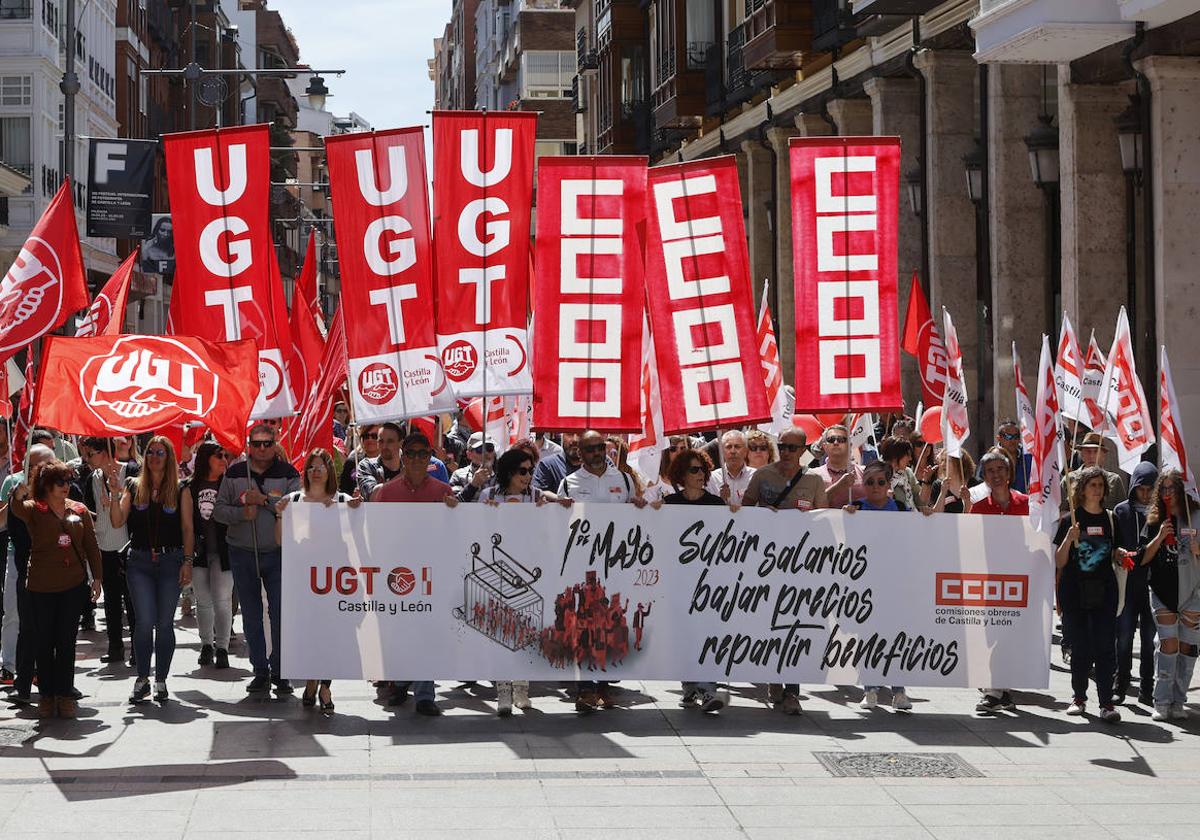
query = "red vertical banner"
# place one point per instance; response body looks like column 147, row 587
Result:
column 844, row 219
column 700, row 298
column 590, row 293
column 483, row 177
column 227, row 285
column 381, row 218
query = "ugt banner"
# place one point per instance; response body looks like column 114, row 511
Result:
column 844, row 219
column 513, row 592
column 589, row 293
column 700, row 299
column 227, row 285
column 381, row 215
column 483, row 175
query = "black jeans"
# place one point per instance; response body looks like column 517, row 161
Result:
column 56, row 619
column 116, row 597
column 26, row 631
column 1136, row 618
column 1093, row 635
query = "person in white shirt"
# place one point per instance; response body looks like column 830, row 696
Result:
column 597, row 481
column 731, row 480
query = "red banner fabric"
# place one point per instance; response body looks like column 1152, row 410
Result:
column 590, row 294
column 46, row 282
column 923, row 340
column 227, row 285
column 315, row 426
column 483, row 173
column 844, row 219
column 305, row 320
column 129, row 384
column 106, row 315
column 700, row 299
column 381, row 211
column 23, row 428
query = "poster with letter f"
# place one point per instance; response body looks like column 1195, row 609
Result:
column 227, row 285
column 381, row 216
column 844, row 224
column 589, row 293
column 700, row 299
column 483, row 182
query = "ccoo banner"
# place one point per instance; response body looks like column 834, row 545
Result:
column 483, row 170
column 527, row 592
column 120, row 192
column 589, row 293
column 381, row 213
column 844, row 219
column 700, row 300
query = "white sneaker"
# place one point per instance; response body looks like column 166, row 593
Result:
column 900, row 701
column 1109, row 714
column 870, row 699
column 1178, row 712
column 1076, row 708
column 521, row 696
column 710, row 703
column 504, row 699
column 1161, row 713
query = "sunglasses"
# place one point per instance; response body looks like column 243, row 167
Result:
column 695, row 469
column 1010, row 435
column 418, row 454
column 759, row 447
column 790, row 447
column 875, row 482
column 156, row 453
column 370, row 436
column 61, row 482
column 262, row 444
column 524, row 470
column 488, row 447
column 595, row 447
column 835, row 439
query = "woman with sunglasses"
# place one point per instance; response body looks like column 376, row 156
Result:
column 759, row 449
column 513, row 485
column 318, row 483
column 161, row 536
column 212, row 579
column 1173, row 555
column 62, row 578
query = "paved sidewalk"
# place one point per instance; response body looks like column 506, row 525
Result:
column 211, row 763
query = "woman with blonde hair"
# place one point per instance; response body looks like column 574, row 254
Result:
column 760, row 451
column 160, row 559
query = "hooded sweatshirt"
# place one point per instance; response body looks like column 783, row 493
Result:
column 1130, row 519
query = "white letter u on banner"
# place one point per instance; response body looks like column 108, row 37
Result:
column 206, row 182
column 470, row 163
column 364, row 164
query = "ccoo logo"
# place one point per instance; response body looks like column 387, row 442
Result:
column 459, row 360
column 956, row 589
column 30, row 294
column 378, row 383
column 141, row 383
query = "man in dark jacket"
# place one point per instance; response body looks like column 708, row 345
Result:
column 1130, row 518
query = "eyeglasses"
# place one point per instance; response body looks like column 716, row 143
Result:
column 595, row 447
column 262, row 444
column 875, row 482
column 156, row 452
column 1010, row 435
column 370, row 436
column 418, row 454
column 524, row 470
column 695, row 469
column 835, row 439
column 759, row 447
column 790, row 447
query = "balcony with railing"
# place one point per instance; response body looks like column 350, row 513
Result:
column 680, row 51
column 777, row 33
column 585, row 56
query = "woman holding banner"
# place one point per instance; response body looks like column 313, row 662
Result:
column 1174, row 559
column 318, row 483
column 1087, row 556
column 160, row 559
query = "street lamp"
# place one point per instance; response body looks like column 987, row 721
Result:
column 913, row 181
column 1042, row 144
column 1129, row 135
column 973, row 161
column 317, row 93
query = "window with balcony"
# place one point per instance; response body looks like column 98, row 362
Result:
column 16, row 90
column 16, row 9
column 547, row 74
column 701, row 30
column 16, row 150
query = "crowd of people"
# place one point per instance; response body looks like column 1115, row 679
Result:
column 136, row 527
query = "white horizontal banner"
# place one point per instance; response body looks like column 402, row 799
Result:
column 408, row 591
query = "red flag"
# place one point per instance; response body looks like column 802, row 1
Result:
column 46, row 282
column 227, row 284
column 1068, row 372
column 700, row 298
column 130, row 384
column 106, row 315
column 590, row 295
column 845, row 214
column 1129, row 423
column 24, row 424
column 308, row 342
column 315, row 427
column 923, row 340
column 381, row 210
column 1025, row 413
column 1174, row 452
column 1093, row 377
column 772, row 367
column 483, row 169
column 956, row 424
column 646, row 447
column 1049, row 456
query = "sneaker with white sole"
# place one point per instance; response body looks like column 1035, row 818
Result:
column 690, row 700
column 870, row 699
column 1178, row 712
column 710, row 703
column 1161, row 713
column 521, row 696
column 900, row 701
column 1109, row 714
column 1077, row 707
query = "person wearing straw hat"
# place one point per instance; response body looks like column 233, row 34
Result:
column 1091, row 453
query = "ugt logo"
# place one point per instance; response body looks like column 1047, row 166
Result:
column 146, row 377
column 378, row 383
column 459, row 360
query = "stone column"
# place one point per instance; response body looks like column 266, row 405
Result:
column 895, row 106
column 786, row 316
column 1174, row 178
column 853, row 116
column 760, row 176
column 1093, row 207
column 950, row 99
column 1020, row 266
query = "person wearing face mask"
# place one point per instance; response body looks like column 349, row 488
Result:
column 1136, row 617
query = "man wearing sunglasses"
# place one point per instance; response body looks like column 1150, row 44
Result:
column 1008, row 438
column 469, row 480
column 786, row 485
column 246, row 503
column 368, row 447
column 843, row 478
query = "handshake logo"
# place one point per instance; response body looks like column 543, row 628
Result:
column 144, row 377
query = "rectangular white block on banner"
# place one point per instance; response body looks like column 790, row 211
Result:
column 406, row 591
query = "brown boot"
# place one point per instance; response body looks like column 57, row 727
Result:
column 45, row 707
column 67, row 707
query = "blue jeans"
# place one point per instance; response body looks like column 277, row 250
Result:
column 154, row 588
column 1136, row 618
column 249, row 579
column 421, row 689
